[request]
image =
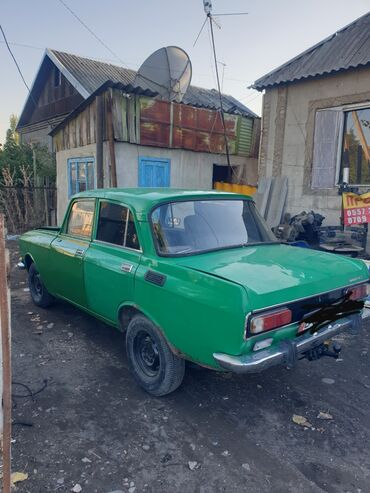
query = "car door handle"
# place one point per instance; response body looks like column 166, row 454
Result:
column 79, row 252
column 126, row 267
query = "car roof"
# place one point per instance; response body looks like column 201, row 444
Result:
column 143, row 200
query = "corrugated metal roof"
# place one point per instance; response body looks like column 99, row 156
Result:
column 345, row 49
column 91, row 74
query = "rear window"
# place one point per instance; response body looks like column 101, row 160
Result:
column 189, row 227
column 81, row 218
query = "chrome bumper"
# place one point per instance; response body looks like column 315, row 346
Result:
column 286, row 352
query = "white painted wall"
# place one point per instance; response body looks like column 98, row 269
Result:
column 189, row 169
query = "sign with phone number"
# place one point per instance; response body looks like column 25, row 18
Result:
column 356, row 208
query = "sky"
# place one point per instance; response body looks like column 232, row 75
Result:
column 249, row 45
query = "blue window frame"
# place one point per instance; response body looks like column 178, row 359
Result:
column 154, row 172
column 81, row 175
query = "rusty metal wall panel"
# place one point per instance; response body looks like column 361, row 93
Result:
column 184, row 138
column 154, row 111
column 196, row 129
column 155, row 134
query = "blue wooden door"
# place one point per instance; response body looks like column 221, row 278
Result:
column 154, row 172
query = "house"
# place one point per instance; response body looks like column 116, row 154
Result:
column 316, row 121
column 106, row 132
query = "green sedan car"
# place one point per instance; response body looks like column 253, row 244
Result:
column 193, row 275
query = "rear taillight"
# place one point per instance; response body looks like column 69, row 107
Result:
column 358, row 292
column 270, row 320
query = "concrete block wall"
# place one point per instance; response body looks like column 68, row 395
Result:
column 287, row 135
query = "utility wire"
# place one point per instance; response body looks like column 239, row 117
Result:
column 15, row 60
column 200, row 32
column 92, row 32
column 20, row 72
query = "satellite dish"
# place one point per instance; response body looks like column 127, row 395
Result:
column 167, row 71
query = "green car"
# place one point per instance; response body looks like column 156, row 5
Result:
column 193, row 275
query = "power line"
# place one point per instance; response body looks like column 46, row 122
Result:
column 110, row 60
column 21, row 45
column 91, row 32
column 15, row 60
column 20, row 72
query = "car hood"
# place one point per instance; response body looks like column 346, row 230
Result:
column 274, row 274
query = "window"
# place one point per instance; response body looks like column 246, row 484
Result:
column 356, row 146
column 116, row 225
column 81, row 218
column 327, row 125
column 154, row 172
column 80, row 175
column 341, row 140
column 201, row 225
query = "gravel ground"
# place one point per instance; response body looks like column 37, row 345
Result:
column 93, row 428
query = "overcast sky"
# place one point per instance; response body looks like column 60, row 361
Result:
column 249, row 45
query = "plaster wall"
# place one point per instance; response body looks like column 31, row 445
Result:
column 188, row 169
column 289, row 152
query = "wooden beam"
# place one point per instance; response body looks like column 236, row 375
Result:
column 361, row 135
column 5, row 346
column 110, row 128
column 99, row 129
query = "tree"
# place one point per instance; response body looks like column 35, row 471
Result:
column 16, row 156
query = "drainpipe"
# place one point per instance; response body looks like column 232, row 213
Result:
column 99, row 141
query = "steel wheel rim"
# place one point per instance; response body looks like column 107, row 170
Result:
column 37, row 284
column 146, row 353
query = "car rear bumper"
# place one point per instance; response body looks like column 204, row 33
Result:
column 286, row 352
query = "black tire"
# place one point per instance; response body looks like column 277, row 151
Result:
column 39, row 294
column 152, row 363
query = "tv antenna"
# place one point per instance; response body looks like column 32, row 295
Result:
column 167, row 71
column 207, row 4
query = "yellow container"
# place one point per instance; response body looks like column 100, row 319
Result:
column 248, row 190
column 227, row 187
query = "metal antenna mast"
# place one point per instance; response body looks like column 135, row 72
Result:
column 208, row 11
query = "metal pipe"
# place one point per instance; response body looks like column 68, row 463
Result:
column 229, row 170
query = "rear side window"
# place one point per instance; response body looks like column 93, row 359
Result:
column 81, row 218
column 116, row 226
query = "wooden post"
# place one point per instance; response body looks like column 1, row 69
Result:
column 110, row 129
column 6, row 363
column 99, row 141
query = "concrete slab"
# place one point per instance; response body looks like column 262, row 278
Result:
column 278, row 194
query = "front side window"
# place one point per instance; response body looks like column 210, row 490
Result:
column 201, row 225
column 116, row 226
column 356, row 146
column 81, row 218
column 80, row 175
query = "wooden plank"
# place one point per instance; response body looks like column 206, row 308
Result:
column 110, row 130
column 6, row 358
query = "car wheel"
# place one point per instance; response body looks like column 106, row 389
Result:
column 39, row 294
column 151, row 361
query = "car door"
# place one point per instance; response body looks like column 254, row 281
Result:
column 68, row 251
column 111, row 260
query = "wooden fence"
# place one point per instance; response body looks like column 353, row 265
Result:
column 28, row 207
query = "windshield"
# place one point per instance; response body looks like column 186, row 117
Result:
column 197, row 226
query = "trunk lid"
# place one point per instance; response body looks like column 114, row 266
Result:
column 275, row 274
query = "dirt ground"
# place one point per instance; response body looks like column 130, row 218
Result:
column 92, row 426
